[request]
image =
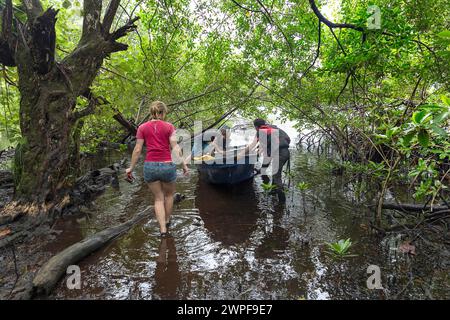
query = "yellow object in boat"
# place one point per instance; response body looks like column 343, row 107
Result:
column 205, row 157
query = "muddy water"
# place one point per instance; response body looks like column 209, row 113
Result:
column 241, row 243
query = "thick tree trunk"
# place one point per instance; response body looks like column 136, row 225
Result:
column 50, row 123
column 46, row 128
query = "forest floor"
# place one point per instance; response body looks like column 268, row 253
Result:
column 20, row 261
column 17, row 269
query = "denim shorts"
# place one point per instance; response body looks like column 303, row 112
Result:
column 160, row 171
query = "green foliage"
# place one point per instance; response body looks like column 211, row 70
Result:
column 9, row 110
column 340, row 248
column 377, row 169
column 303, row 186
column 268, row 187
column 123, row 147
column 444, row 34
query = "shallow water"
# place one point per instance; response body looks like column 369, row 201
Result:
column 241, row 243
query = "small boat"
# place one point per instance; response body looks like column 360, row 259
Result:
column 226, row 173
column 226, row 170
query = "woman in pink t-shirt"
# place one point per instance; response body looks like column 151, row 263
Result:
column 159, row 170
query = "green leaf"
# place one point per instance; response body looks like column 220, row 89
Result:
column 445, row 100
column 407, row 138
column 438, row 130
column 391, row 132
column 431, row 107
column 424, row 138
column 419, row 117
column 441, row 117
column 66, row 4
column 381, row 136
column 444, row 34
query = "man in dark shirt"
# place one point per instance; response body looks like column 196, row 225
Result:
column 274, row 145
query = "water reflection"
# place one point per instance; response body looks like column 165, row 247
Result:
column 167, row 272
column 242, row 243
column 276, row 241
column 229, row 214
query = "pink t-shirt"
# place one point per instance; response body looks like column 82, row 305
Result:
column 156, row 135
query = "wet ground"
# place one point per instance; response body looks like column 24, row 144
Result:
column 241, row 243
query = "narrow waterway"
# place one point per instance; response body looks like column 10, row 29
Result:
column 241, row 243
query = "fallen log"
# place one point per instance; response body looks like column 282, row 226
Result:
column 50, row 273
column 413, row 207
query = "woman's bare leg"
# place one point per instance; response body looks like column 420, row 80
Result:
column 160, row 212
column 168, row 189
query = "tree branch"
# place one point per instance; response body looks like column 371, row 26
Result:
column 130, row 16
column 292, row 104
column 121, row 76
column 409, row 103
column 245, row 8
column 273, row 22
column 6, row 37
column 194, row 98
column 109, row 15
column 43, row 37
column 185, row 101
column 129, row 125
column 94, row 101
column 91, row 21
column 317, row 52
column 330, row 24
column 333, row 25
column 337, row 40
column 94, row 45
column 420, row 43
column 135, row 7
column 344, row 87
column 123, row 31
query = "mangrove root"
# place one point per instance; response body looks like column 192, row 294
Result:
column 413, row 207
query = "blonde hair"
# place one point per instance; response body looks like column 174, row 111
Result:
column 158, row 110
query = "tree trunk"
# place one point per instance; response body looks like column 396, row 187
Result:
column 49, row 120
column 46, row 130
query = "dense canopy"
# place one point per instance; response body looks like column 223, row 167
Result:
column 373, row 81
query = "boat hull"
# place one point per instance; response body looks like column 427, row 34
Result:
column 226, row 173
